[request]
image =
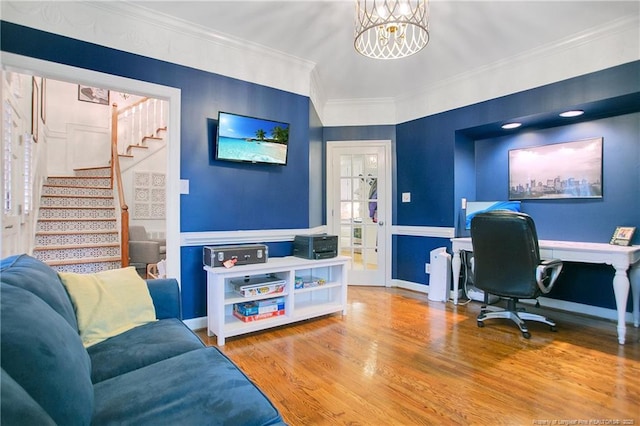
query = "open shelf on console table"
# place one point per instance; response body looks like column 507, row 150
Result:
column 300, row 304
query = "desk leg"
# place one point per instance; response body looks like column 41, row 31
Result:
column 456, row 263
column 634, row 277
column 621, row 291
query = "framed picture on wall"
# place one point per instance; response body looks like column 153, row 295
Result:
column 35, row 96
column 93, row 94
column 622, row 235
column 561, row 170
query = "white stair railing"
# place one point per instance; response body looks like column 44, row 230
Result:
column 143, row 119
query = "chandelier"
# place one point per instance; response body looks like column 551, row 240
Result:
column 391, row 29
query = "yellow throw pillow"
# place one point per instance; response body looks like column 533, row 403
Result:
column 108, row 303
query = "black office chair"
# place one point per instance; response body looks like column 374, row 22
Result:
column 507, row 264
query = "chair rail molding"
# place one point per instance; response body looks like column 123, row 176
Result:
column 245, row 237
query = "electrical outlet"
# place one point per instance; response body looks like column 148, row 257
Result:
column 427, row 268
column 406, row 197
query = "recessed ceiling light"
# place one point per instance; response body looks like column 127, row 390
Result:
column 509, row 126
column 572, row 113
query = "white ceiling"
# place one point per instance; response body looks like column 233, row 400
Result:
column 464, row 36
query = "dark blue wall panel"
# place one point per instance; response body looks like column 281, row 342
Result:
column 416, row 253
column 223, row 196
column 463, row 153
column 591, row 220
column 439, row 158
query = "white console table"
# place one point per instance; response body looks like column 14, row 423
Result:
column 622, row 258
column 300, row 304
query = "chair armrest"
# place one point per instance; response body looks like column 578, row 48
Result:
column 165, row 294
column 547, row 273
column 144, row 251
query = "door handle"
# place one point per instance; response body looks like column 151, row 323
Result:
column 381, row 223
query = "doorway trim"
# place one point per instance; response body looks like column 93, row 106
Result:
column 388, row 212
column 56, row 71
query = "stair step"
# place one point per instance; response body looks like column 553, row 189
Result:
column 53, row 239
column 135, row 146
column 153, row 138
column 75, row 201
column 76, row 191
column 63, row 225
column 75, row 254
column 86, row 266
column 80, row 181
column 69, row 213
column 100, row 171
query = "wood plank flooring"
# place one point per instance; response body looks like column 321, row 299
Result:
column 398, row 359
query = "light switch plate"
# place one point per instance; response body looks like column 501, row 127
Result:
column 184, row 186
column 406, row 197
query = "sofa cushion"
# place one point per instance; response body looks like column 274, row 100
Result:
column 17, row 408
column 166, row 297
column 37, row 277
column 139, row 347
column 108, row 303
column 196, row 388
column 45, row 356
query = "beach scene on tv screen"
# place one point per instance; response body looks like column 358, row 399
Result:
column 251, row 139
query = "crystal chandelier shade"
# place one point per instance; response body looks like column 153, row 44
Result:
column 391, row 29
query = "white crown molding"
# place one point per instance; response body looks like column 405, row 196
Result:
column 349, row 112
column 136, row 29
column 609, row 45
column 139, row 30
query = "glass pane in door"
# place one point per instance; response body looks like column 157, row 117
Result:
column 358, row 209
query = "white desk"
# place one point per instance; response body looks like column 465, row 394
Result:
column 620, row 257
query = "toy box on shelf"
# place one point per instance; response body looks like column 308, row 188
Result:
column 242, row 315
column 259, row 306
column 308, row 281
column 258, row 286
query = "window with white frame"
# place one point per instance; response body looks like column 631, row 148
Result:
column 7, row 157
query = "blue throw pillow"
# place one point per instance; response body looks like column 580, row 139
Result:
column 40, row 279
column 45, row 356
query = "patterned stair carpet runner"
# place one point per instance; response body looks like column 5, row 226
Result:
column 77, row 229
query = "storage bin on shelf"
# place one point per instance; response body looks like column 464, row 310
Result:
column 259, row 309
column 258, row 286
column 308, row 281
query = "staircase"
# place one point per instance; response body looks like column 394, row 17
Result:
column 77, row 229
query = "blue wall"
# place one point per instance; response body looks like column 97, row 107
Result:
column 463, row 153
column 439, row 159
column 223, row 196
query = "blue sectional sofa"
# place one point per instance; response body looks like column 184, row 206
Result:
column 159, row 373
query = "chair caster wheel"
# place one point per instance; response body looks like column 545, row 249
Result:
column 553, row 328
column 526, row 335
column 480, row 324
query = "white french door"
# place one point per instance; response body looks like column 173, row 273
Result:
column 358, row 207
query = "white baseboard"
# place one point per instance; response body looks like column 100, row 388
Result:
column 563, row 305
column 196, row 323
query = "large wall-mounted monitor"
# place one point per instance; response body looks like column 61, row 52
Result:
column 251, row 140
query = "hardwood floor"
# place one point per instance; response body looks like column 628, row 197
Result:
column 398, row 359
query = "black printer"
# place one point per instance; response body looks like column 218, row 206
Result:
column 315, row 246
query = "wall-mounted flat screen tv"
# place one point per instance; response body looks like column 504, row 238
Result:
column 252, row 140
